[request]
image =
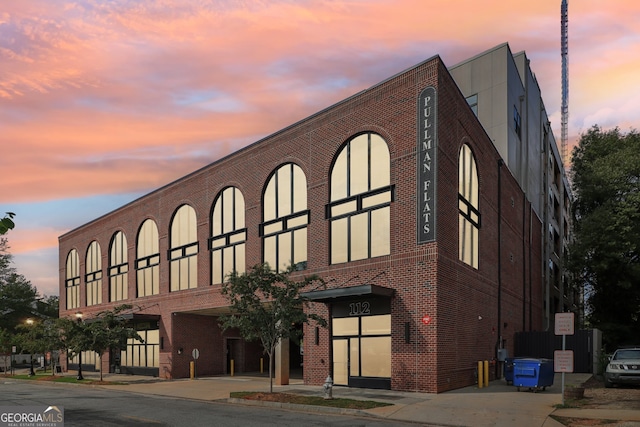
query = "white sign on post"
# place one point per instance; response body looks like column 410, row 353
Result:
column 563, row 361
column 564, row 324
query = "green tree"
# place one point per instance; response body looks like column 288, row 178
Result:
column 107, row 330
column 605, row 254
column 41, row 337
column 6, row 223
column 265, row 304
column 7, row 340
column 19, row 299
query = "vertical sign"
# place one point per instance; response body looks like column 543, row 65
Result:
column 427, row 167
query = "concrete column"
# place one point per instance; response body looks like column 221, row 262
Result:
column 282, row 362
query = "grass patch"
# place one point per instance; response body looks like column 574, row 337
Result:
column 297, row 399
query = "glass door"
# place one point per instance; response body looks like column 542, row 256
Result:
column 341, row 361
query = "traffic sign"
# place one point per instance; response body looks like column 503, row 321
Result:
column 564, row 324
column 195, row 353
column 563, row 361
column 426, row 319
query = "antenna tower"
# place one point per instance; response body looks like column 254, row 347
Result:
column 564, row 39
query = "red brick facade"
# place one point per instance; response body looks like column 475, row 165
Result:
column 428, row 279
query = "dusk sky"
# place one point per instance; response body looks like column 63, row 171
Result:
column 104, row 101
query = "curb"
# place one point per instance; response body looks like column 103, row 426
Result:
column 304, row 408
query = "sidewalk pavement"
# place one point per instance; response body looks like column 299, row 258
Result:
column 498, row 405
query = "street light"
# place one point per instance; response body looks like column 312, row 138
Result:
column 80, row 377
column 31, row 372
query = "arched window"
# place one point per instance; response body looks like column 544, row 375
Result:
column 360, row 200
column 469, row 215
column 118, row 268
column 228, row 235
column 285, row 219
column 183, row 250
column 72, row 280
column 93, row 276
column 148, row 260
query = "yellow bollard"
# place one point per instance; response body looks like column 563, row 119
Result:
column 192, row 370
column 486, row 373
column 232, row 366
column 262, row 365
column 480, row 380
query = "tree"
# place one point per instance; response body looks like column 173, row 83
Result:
column 6, row 223
column 265, row 304
column 41, row 337
column 605, row 254
column 6, row 342
column 107, row 330
column 19, row 299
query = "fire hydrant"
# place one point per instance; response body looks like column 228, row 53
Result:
column 328, row 388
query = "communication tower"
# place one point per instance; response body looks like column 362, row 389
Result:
column 564, row 40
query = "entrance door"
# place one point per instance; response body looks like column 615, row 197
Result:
column 341, row 361
column 233, row 354
column 361, row 337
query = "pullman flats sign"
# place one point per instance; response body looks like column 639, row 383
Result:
column 427, row 165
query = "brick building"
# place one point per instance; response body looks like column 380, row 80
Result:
column 396, row 196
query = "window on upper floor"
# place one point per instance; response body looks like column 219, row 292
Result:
column 147, row 260
column 72, row 280
column 285, row 218
column 118, row 268
column 517, row 122
column 93, row 276
column 469, row 215
column 473, row 103
column 359, row 209
column 183, row 252
column 228, row 235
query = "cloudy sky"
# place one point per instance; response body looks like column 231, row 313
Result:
column 102, row 101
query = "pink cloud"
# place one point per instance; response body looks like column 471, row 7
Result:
column 122, row 96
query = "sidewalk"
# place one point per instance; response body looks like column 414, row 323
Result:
column 498, row 405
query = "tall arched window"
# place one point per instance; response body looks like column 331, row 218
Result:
column 228, row 235
column 183, row 250
column 93, row 276
column 285, row 218
column 148, row 260
column 72, row 280
column 469, row 215
column 118, row 268
column 360, row 200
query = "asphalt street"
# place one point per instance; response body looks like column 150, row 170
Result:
column 86, row 406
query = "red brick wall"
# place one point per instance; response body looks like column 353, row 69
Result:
column 428, row 279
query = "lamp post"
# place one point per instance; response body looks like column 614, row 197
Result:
column 31, row 372
column 80, row 377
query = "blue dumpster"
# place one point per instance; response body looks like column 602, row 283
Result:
column 535, row 374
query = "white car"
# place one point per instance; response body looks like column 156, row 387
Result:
column 623, row 367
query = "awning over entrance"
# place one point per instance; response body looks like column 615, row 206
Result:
column 329, row 295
